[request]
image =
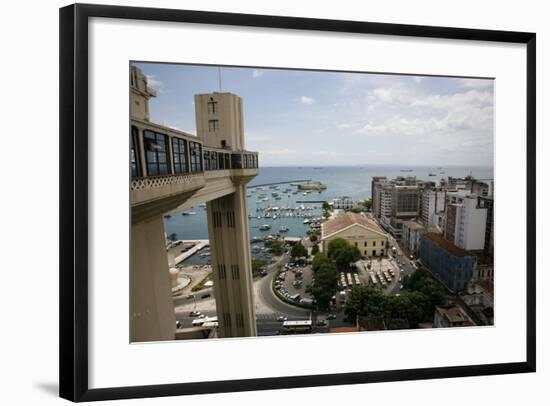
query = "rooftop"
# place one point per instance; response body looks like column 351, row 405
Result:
column 379, row 323
column 344, row 330
column 453, row 313
column 487, row 285
column 347, row 219
column 447, row 245
column 413, row 225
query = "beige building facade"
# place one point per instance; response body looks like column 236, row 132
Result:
column 359, row 230
column 219, row 120
column 172, row 170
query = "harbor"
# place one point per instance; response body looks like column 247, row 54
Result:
column 277, row 208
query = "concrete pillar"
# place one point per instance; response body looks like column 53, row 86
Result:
column 153, row 316
column 231, row 264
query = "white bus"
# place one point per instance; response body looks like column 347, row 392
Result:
column 202, row 322
column 297, row 327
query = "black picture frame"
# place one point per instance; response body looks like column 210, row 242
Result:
column 73, row 278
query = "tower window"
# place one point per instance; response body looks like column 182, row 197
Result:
column 213, row 125
column 212, row 107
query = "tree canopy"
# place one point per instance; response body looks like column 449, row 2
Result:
column 276, row 247
column 368, row 204
column 257, row 264
column 415, row 305
column 343, row 253
column 314, row 249
column 298, row 251
column 319, row 259
column 422, row 281
column 325, row 284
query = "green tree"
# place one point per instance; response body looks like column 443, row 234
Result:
column 368, row 204
column 276, row 248
column 298, row 251
column 257, row 264
column 326, row 206
column 366, row 301
column 371, row 302
column 325, row 284
column 355, row 210
column 343, row 253
column 173, row 237
column 313, row 238
column 319, row 259
column 314, row 249
column 335, row 246
column 422, row 281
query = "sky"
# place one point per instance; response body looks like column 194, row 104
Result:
column 298, row 117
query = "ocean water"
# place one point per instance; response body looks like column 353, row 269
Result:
column 352, row 181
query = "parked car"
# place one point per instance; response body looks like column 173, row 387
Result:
column 206, row 295
column 282, row 318
column 179, row 324
column 194, row 313
column 331, row 317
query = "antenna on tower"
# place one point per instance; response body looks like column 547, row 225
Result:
column 220, row 78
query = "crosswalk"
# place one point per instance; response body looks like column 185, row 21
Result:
column 266, row 316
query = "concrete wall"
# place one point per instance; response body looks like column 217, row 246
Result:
column 229, row 114
column 231, row 264
column 152, row 311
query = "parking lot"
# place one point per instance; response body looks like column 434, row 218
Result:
column 292, row 283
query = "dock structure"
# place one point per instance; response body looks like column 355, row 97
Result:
column 311, row 201
column 278, row 183
column 199, row 245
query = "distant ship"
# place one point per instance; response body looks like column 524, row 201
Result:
column 312, row 186
column 432, row 174
column 283, row 229
column 188, row 213
column 265, row 227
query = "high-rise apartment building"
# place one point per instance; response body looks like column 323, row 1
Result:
column 433, row 205
column 466, row 221
column 376, row 187
column 405, row 201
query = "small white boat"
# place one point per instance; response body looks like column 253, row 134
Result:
column 265, row 227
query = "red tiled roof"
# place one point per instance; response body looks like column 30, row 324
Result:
column 347, row 219
column 344, row 330
column 447, row 245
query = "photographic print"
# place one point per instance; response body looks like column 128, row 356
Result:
column 272, row 202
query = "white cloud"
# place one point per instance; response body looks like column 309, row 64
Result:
column 256, row 73
column 307, row 100
column 156, row 84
